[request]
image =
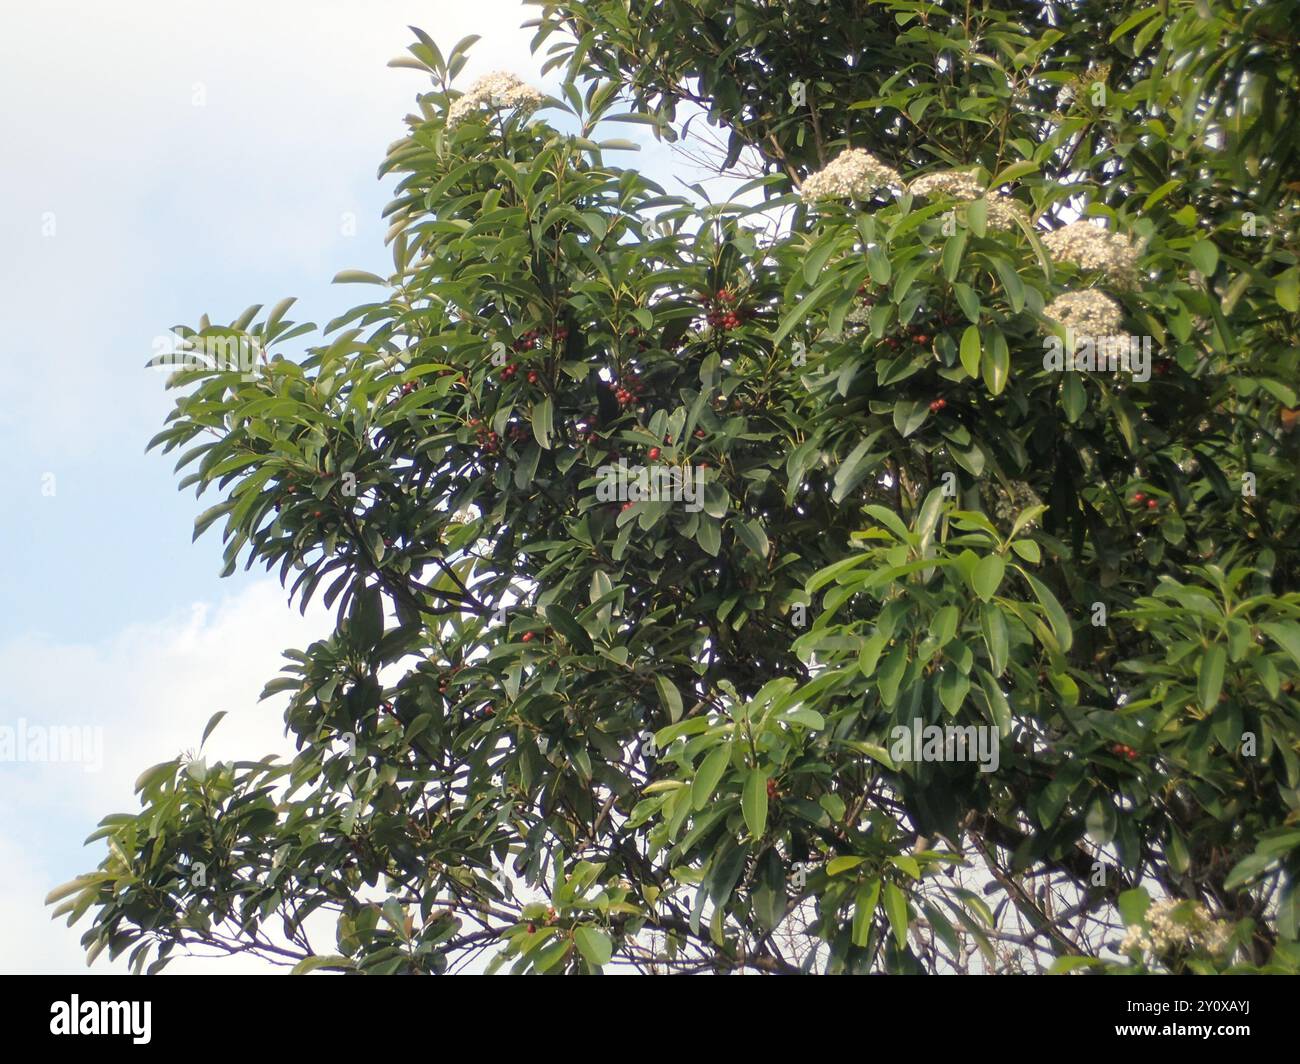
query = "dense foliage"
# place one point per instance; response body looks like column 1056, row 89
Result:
column 562, row 730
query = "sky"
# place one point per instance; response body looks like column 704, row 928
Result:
column 160, row 161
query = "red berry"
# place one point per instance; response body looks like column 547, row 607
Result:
column 1138, row 497
column 700, row 434
column 626, row 506
column 528, row 637
column 532, row 376
column 654, row 453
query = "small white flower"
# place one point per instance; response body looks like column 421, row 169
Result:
column 962, row 185
column 958, row 184
column 1090, row 313
column 854, row 174
column 1004, row 213
column 1173, row 925
column 501, row 89
column 1091, row 247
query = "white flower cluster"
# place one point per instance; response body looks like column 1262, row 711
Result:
column 501, row 89
column 1003, row 213
column 962, row 186
column 1177, row 925
column 1089, row 313
column 853, row 174
column 959, row 184
column 1091, row 247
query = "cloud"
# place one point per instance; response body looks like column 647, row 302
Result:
column 151, row 689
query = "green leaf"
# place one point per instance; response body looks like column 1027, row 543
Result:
column 1074, row 398
column 669, row 696
column 1072, row 962
column 891, row 674
column 1204, row 256
column 595, row 946
column 310, row 964
column 1210, row 679
column 997, row 365
column 970, row 351
column 856, row 466
column 541, row 418
column 896, row 910
column 944, row 625
column 154, row 775
column 213, row 721
column 357, row 277
column 1133, row 905
column 750, row 532
column 864, row 909
column 952, row 252
column 710, row 772
column 954, row 685
column 754, row 803
column 1287, row 289
column 1287, row 635
column 910, row 415
column 567, row 625
column 869, row 655
column 988, row 574
column 993, row 625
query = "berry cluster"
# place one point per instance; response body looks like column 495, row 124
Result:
column 1151, row 503
column 508, row 372
column 938, row 405
column 445, row 678
column 723, row 311
column 916, row 336
column 1124, row 750
column 532, row 339
column 628, row 393
column 487, row 441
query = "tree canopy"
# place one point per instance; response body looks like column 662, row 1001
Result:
column 559, row 726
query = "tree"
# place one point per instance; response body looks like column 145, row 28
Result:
column 568, row 726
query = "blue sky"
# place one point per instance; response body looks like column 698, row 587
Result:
column 163, row 160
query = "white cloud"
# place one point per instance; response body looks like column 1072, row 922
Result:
column 120, row 198
column 151, row 688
